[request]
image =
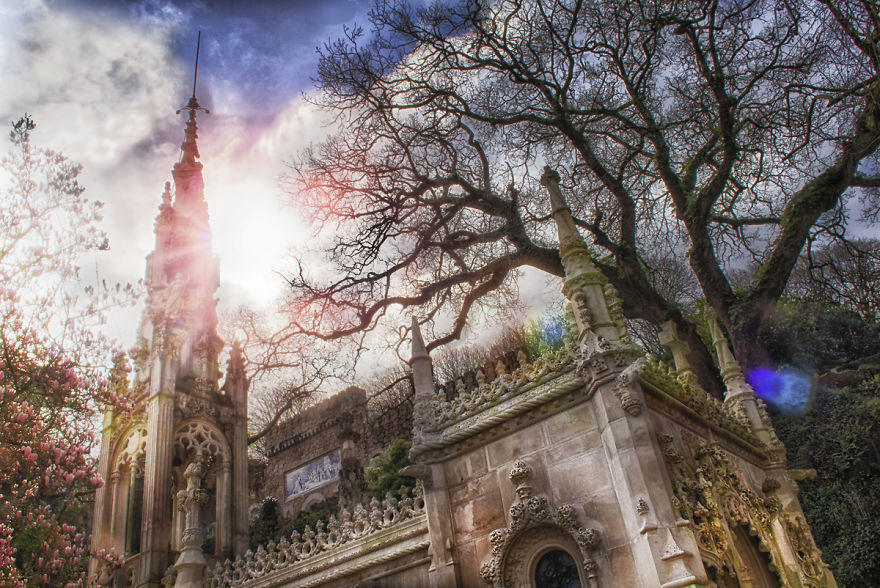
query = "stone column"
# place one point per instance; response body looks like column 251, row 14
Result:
column 156, row 529
column 593, row 299
column 443, row 571
column 103, row 512
column 117, row 513
column 190, row 566
column 739, row 396
column 224, row 509
column 663, row 548
column 236, row 386
column 612, row 369
column 680, row 349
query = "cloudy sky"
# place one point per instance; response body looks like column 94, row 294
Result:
column 103, row 79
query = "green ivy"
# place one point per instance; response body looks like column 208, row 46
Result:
column 383, row 474
column 839, row 437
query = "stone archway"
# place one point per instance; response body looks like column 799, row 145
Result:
column 556, row 569
column 528, row 552
column 535, row 528
column 194, row 438
column 124, row 495
column 757, row 568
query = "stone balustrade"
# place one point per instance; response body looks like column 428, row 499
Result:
column 327, row 537
column 468, row 401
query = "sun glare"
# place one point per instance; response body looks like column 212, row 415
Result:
column 253, row 236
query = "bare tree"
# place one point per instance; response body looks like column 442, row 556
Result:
column 286, row 374
column 845, row 273
column 722, row 131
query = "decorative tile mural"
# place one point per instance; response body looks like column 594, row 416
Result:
column 312, row 475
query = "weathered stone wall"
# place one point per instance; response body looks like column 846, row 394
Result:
column 568, row 460
column 309, row 435
column 388, row 422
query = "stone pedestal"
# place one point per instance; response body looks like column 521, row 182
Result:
column 190, row 566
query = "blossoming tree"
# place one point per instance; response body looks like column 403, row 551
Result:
column 54, row 376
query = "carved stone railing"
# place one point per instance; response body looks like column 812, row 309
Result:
column 488, row 393
column 683, row 388
column 328, row 538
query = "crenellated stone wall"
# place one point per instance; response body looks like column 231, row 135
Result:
column 338, row 423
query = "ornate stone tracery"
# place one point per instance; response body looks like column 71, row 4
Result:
column 711, row 493
column 535, row 527
column 197, row 437
column 131, row 447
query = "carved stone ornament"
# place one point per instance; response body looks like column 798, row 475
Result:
column 196, row 437
column 625, row 387
column 438, row 413
column 685, row 390
column 131, row 449
column 192, row 405
column 532, row 523
column 334, row 535
column 710, row 491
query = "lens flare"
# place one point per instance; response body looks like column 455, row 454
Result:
column 787, row 390
column 552, row 330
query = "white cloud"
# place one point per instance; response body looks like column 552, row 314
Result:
column 104, row 92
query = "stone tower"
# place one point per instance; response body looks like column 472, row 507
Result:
column 175, row 466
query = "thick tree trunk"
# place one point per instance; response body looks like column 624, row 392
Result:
column 745, row 338
column 642, row 302
column 702, row 360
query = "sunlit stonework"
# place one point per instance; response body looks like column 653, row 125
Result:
column 176, row 465
column 594, row 454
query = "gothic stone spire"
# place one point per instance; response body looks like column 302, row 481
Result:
column 593, row 299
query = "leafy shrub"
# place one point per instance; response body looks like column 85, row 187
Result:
column 266, row 526
column 819, row 336
column 545, row 334
column 839, row 436
column 318, row 512
column 383, row 474
column 271, row 525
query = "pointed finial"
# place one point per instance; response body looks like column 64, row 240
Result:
column 196, row 72
column 189, row 149
column 235, row 365
column 418, row 343
column 565, row 225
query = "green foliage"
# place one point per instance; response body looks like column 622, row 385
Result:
column 266, row 526
column 383, row 474
column 318, row 512
column 546, row 334
column 839, row 433
column 818, row 335
column 271, row 525
column 839, row 436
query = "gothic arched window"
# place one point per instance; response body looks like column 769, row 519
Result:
column 557, row 569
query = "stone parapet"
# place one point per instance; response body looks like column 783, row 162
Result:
column 369, row 536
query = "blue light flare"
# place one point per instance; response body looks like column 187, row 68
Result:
column 553, row 330
column 787, row 389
